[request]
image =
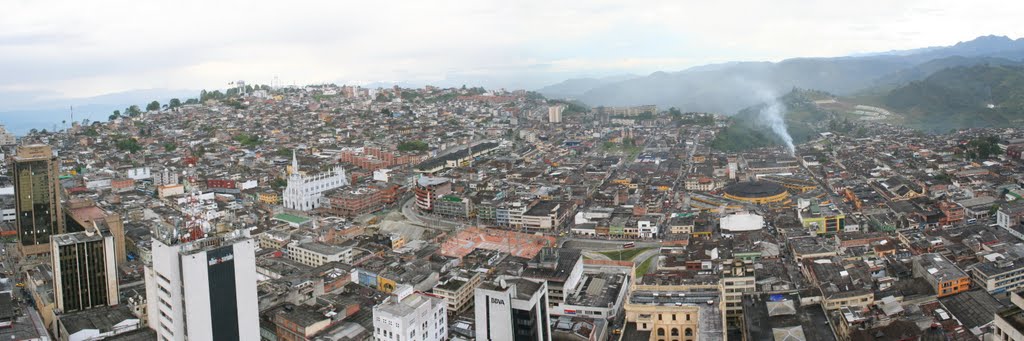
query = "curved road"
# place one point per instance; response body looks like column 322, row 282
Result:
column 417, row 218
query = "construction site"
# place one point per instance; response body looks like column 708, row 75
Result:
column 518, row 244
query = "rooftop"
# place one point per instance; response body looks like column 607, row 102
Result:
column 769, row 316
column 321, row 248
column 974, row 308
column 103, row 319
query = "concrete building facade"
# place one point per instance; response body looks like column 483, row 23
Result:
column 203, row 290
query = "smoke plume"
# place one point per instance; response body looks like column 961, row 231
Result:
column 772, row 115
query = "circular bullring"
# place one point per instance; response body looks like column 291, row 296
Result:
column 757, row 192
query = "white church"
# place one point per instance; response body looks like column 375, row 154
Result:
column 304, row 191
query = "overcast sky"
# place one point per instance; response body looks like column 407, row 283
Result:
column 86, row 48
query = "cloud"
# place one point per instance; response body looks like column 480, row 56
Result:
column 79, row 48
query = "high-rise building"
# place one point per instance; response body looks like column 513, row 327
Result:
column 84, row 271
column 37, row 198
column 409, row 315
column 555, row 113
column 513, row 309
column 203, row 289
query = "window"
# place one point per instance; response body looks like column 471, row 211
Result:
column 675, row 331
column 689, row 332
column 661, row 331
column 673, row 317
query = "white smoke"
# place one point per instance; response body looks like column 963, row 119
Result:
column 772, row 115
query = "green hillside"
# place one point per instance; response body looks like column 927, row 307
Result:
column 962, row 97
column 746, row 130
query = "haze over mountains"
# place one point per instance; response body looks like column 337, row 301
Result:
column 730, row 87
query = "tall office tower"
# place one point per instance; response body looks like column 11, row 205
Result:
column 555, row 113
column 513, row 309
column 37, row 198
column 84, row 271
column 203, row 289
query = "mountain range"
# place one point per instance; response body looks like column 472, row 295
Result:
column 22, row 112
column 730, row 87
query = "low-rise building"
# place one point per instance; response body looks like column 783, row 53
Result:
column 457, row 290
column 944, row 276
column 315, row 254
column 410, row 316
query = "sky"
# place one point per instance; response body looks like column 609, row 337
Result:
column 54, row 49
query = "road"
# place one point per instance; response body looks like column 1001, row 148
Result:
column 603, row 244
column 417, row 218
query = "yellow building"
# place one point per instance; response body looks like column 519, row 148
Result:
column 823, row 218
column 665, row 322
column 270, row 198
column 678, row 310
column 385, row 285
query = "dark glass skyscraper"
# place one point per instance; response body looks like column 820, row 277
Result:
column 37, row 198
column 84, row 271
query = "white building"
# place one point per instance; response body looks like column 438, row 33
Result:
column 164, row 177
column 316, row 254
column 742, row 222
column 212, row 279
column 1006, row 325
column 512, row 307
column 647, row 228
column 6, row 137
column 138, row 173
column 304, row 191
column 555, row 113
column 409, row 316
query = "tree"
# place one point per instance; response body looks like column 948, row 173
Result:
column 173, row 103
column 247, row 140
column 409, row 146
column 153, row 106
column 135, row 111
column 170, row 146
column 130, row 145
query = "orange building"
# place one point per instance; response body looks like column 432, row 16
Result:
column 944, row 276
column 952, row 213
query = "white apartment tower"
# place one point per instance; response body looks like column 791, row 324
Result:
column 204, row 289
column 555, row 113
column 304, row 191
column 409, row 316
